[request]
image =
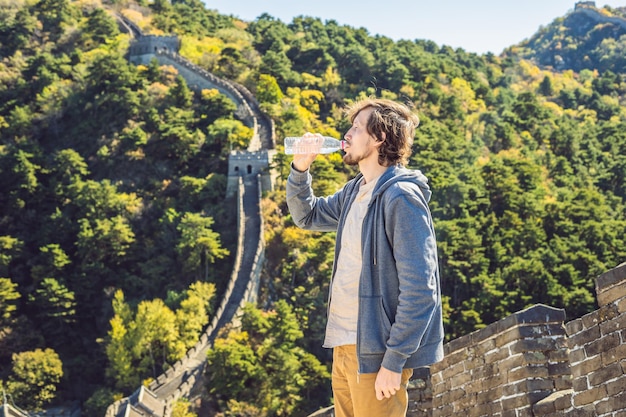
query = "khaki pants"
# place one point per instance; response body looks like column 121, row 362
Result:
column 354, row 394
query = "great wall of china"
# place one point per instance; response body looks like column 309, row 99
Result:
column 588, row 8
column 531, row 363
column 248, row 176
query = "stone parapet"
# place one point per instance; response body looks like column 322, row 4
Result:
column 505, row 368
column 597, row 343
column 611, row 286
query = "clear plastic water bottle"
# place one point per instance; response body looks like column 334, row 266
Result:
column 300, row 145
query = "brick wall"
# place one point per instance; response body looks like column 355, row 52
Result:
column 597, row 344
column 505, row 368
column 420, row 394
column 532, row 364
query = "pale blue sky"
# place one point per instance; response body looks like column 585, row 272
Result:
column 477, row 26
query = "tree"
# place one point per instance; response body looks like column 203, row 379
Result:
column 234, row 368
column 214, row 105
column 231, row 63
column 23, row 177
column 113, row 86
column 261, row 366
column 194, row 311
column 140, row 345
column 229, row 134
column 100, row 26
column 34, row 378
column 69, row 167
column 198, row 243
column 8, row 295
column 546, row 88
column 268, row 90
column 269, row 32
column 10, row 248
column 182, row 408
column 276, row 64
column 51, row 261
column 355, row 64
column 99, row 402
column 16, row 36
column 54, row 301
column 54, row 16
column 179, row 94
column 120, row 361
column 157, row 343
column 55, row 307
column 198, row 193
column 143, row 343
column 104, row 239
column 180, row 139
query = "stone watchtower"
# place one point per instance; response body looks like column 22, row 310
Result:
column 144, row 48
column 585, row 4
column 245, row 164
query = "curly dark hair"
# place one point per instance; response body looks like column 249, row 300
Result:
column 392, row 123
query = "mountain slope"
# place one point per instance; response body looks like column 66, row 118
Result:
column 586, row 38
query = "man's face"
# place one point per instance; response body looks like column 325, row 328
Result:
column 360, row 145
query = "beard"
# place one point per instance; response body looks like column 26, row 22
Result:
column 352, row 160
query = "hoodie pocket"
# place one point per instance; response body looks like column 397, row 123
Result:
column 374, row 326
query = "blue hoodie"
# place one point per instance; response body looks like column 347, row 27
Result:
column 400, row 318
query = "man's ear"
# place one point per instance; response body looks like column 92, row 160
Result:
column 380, row 140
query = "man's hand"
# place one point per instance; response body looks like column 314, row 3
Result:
column 302, row 162
column 387, row 383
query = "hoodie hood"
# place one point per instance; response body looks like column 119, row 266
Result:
column 397, row 173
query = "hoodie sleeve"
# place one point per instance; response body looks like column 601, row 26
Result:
column 308, row 211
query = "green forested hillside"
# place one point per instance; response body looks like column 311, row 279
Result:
column 587, row 38
column 112, row 177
